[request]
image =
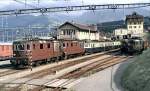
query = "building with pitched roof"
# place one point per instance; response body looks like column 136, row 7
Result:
column 70, row 30
column 135, row 24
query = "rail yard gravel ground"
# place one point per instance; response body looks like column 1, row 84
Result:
column 27, row 72
column 105, row 80
column 14, row 80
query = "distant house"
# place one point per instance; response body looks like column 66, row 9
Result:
column 120, row 33
column 135, row 24
column 70, row 30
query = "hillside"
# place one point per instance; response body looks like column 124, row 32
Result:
column 110, row 26
column 137, row 76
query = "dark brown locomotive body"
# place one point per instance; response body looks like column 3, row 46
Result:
column 36, row 51
column 73, row 48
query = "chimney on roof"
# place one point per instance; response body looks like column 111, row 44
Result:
column 95, row 26
column 134, row 13
column 72, row 22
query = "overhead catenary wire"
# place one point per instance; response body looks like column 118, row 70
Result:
column 75, row 8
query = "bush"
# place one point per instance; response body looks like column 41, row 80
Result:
column 137, row 76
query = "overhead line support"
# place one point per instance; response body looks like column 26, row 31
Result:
column 74, row 8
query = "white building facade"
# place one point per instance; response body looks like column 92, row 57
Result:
column 135, row 25
column 77, row 31
column 120, row 33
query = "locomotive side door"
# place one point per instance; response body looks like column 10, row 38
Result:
column 61, row 46
column 57, row 48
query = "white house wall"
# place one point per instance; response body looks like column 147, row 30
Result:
column 136, row 29
column 79, row 34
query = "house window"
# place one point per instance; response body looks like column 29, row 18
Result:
column 68, row 32
column 28, row 47
column 64, row 32
column 134, row 23
column 74, row 32
column 130, row 23
column 134, row 26
column 41, row 46
column 48, row 45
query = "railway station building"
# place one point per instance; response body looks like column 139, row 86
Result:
column 76, row 31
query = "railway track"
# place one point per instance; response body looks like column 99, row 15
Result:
column 73, row 76
column 8, row 72
column 95, row 66
column 52, row 70
column 7, row 69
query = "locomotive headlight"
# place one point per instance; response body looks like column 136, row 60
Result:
column 14, row 54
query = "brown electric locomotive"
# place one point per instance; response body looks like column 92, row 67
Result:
column 36, row 51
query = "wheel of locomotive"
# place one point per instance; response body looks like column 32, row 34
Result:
column 60, row 58
column 44, row 61
column 65, row 56
column 57, row 59
column 37, row 63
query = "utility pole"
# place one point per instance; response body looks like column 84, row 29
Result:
column 3, row 32
column 7, row 32
column 25, row 3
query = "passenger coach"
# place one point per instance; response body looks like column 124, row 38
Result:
column 99, row 46
column 5, row 51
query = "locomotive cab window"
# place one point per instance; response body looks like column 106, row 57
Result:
column 71, row 44
column 48, row 45
column 33, row 46
column 41, row 46
column 20, row 47
column 67, row 44
column 28, row 47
